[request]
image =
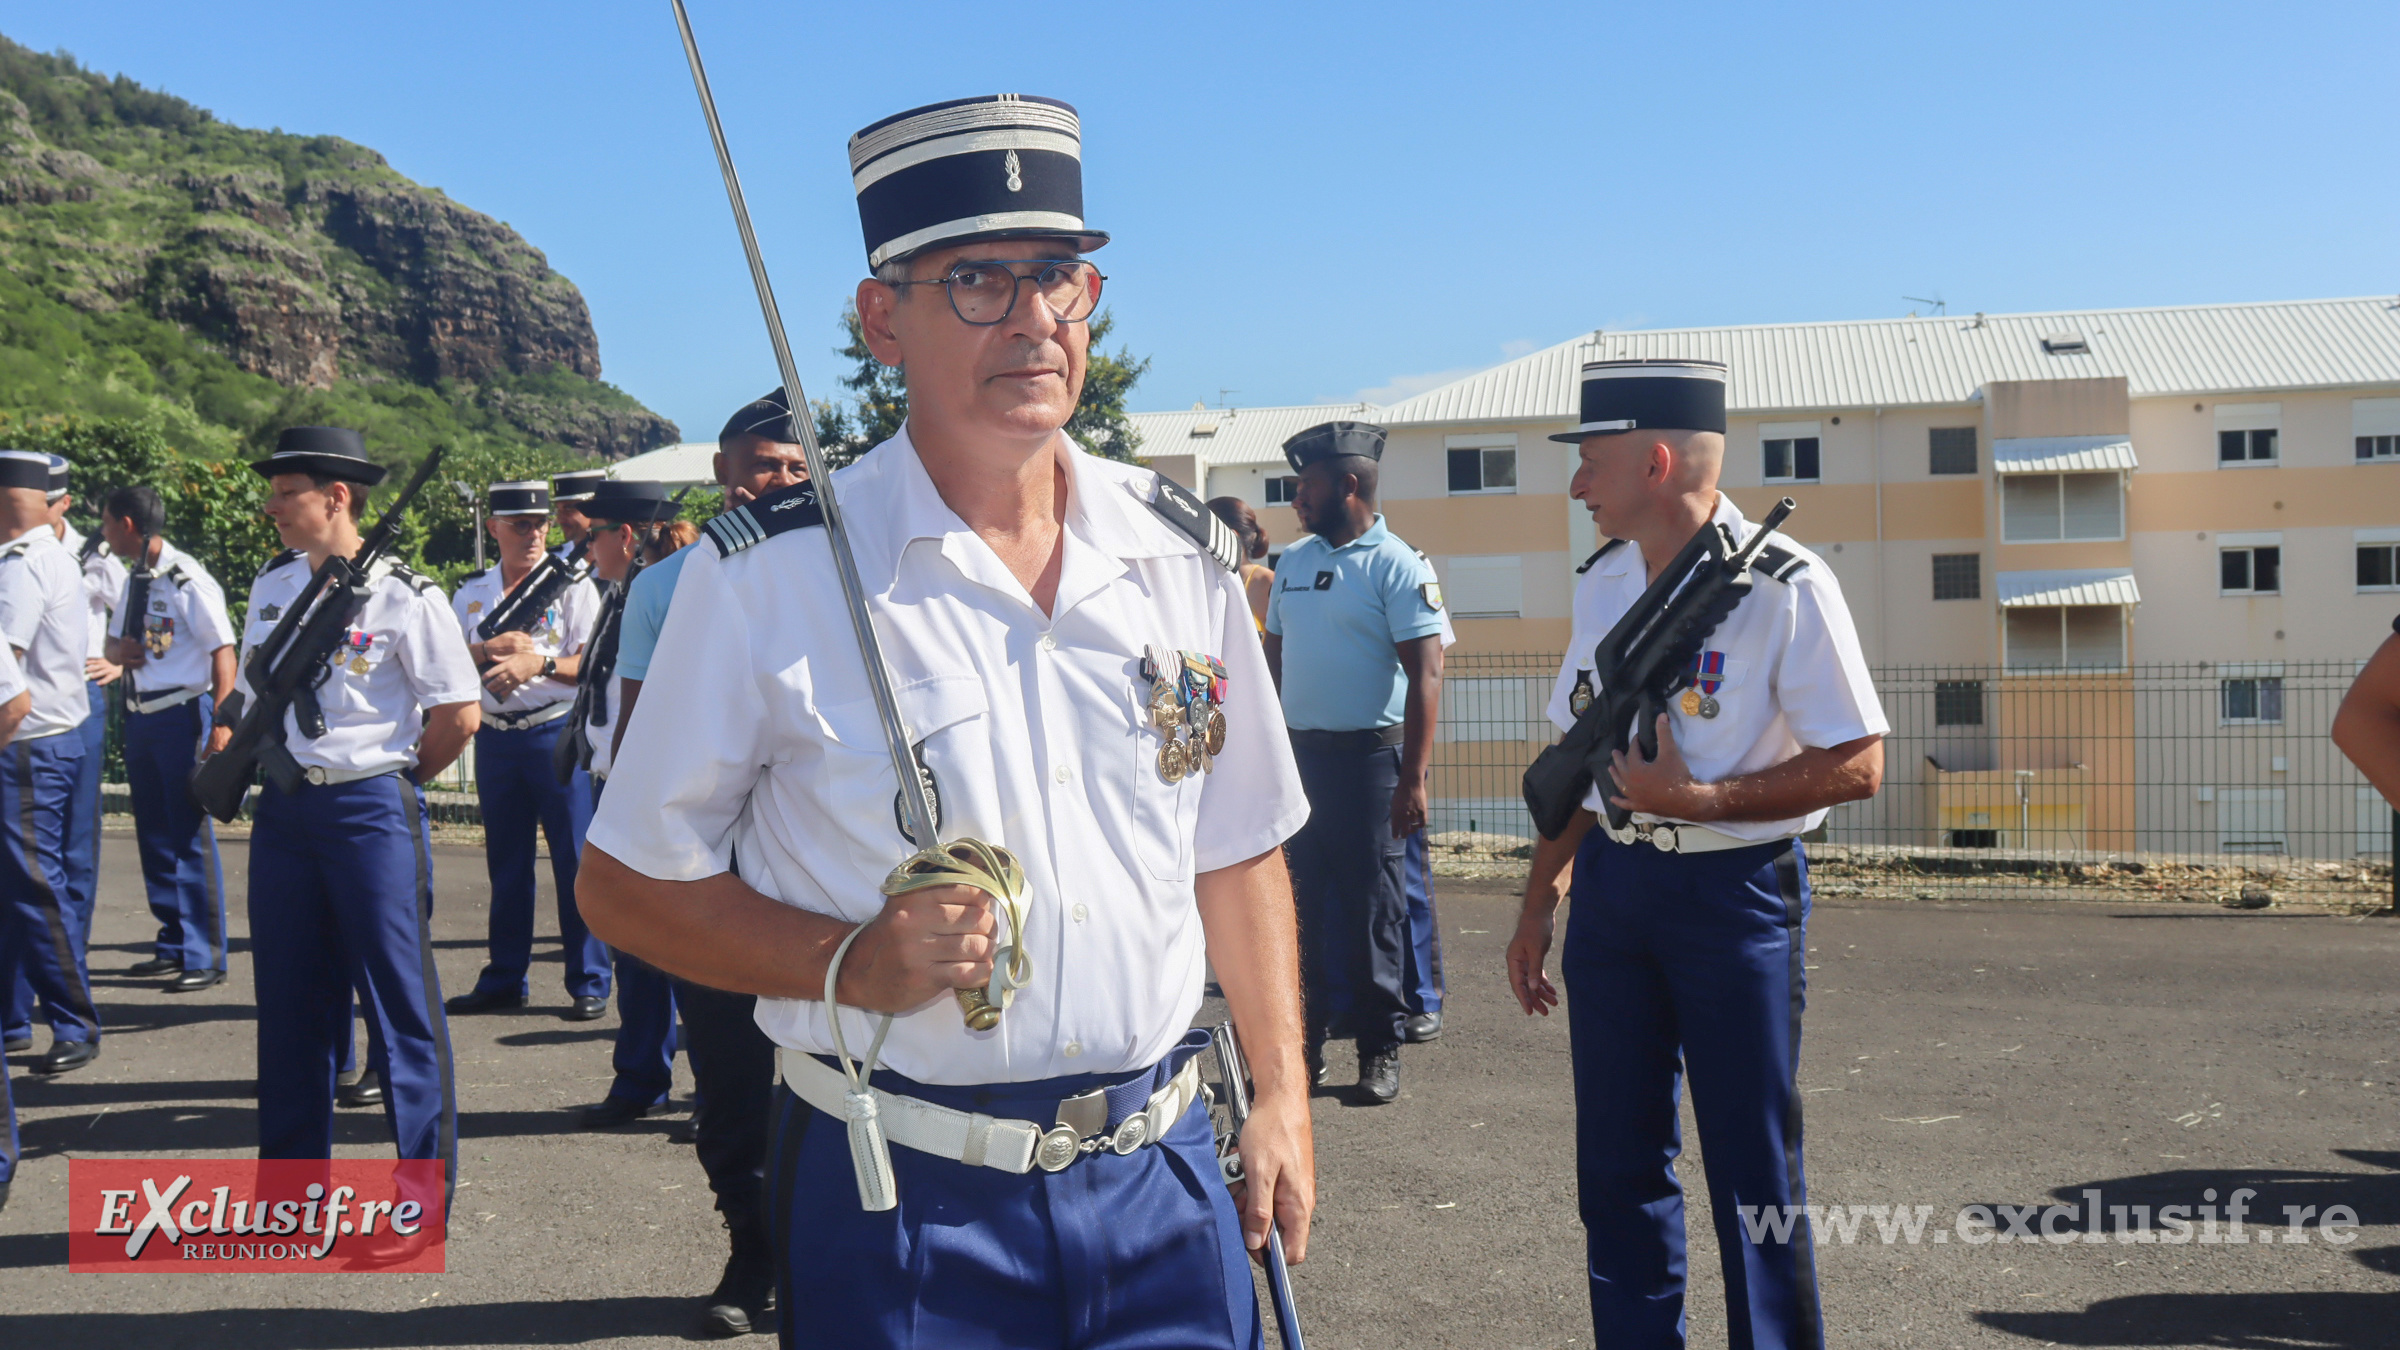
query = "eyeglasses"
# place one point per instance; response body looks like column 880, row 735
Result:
column 523, row 524
column 984, row 292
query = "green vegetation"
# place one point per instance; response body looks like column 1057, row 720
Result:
column 174, row 291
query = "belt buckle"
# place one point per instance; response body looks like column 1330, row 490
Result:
column 316, row 775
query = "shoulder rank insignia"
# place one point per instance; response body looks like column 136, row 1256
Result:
column 476, row 575
column 763, row 518
column 279, row 560
column 1191, row 517
column 1779, row 562
column 1597, row 555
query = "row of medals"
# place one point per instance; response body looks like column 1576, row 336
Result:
column 1185, row 691
column 1695, row 703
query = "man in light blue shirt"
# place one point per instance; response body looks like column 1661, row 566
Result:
column 1354, row 636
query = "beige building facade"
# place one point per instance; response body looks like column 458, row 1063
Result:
column 2057, row 501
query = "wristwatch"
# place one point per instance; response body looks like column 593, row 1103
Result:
column 549, row 667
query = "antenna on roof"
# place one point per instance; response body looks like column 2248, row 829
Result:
column 1937, row 303
column 1223, row 394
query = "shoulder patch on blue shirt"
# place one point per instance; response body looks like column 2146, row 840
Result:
column 763, row 518
column 1597, row 555
column 1191, row 518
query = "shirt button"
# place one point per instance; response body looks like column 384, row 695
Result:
column 1074, row 1048
column 1062, row 773
column 1081, row 913
column 1049, row 642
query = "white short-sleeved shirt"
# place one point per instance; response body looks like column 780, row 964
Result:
column 103, row 585
column 12, row 676
column 757, row 738
column 401, row 656
column 565, row 626
column 1792, row 673
column 44, row 614
column 182, row 625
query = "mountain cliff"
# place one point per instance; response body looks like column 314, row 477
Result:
column 157, row 262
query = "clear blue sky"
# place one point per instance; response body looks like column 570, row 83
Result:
column 1319, row 201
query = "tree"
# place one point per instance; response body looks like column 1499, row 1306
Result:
column 879, row 404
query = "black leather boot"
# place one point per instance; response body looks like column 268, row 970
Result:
column 746, row 1293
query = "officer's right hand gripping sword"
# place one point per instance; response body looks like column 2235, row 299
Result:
column 965, row 862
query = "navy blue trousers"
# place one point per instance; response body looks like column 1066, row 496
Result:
column 733, row 1077
column 10, row 1149
column 520, row 793
column 178, row 843
column 1691, row 964
column 1425, row 982
column 42, row 940
column 81, row 863
column 341, row 900
column 1113, row 1253
column 1346, row 878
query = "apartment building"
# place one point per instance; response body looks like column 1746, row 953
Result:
column 2059, row 500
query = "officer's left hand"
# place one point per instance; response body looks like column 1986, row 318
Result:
column 509, row 673
column 502, row 645
column 101, row 671
column 1663, row 786
column 1408, row 809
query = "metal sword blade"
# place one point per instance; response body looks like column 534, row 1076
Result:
column 913, row 801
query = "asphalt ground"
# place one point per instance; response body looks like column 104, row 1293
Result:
column 1997, row 1053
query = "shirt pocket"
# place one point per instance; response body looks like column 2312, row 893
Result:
column 949, row 715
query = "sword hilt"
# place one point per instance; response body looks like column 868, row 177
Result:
column 996, row 872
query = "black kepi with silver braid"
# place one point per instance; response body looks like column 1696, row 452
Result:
column 1653, row 394
column 1005, row 166
column 987, row 867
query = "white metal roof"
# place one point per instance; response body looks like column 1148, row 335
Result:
column 674, row 465
column 2069, row 586
column 1239, row 435
column 1944, row 361
column 2062, row 454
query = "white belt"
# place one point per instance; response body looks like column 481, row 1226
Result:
column 173, row 698
column 319, row 776
column 1674, row 837
column 531, row 717
column 985, row 1141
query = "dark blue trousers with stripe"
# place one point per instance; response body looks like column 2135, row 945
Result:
column 1353, row 904
column 81, row 861
column 519, row 793
column 1143, row 1250
column 41, row 938
column 178, row 843
column 341, row 899
column 1425, row 981
column 1676, row 965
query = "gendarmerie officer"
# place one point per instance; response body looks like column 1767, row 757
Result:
column 176, row 645
column 1040, row 614
column 622, row 518
column 16, row 699
column 568, row 492
column 341, row 869
column 732, row 1061
column 47, row 620
column 1688, row 933
column 528, row 689
column 1354, row 635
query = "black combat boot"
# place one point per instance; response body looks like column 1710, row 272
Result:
column 746, row 1293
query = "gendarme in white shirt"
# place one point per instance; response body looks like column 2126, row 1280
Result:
column 104, row 576
column 1793, row 677
column 756, row 738
column 181, row 626
column 565, row 626
column 44, row 615
column 401, row 656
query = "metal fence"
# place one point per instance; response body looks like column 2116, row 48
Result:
column 2209, row 780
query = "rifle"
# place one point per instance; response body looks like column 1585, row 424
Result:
column 524, row 607
column 1645, row 660
column 1233, row 1077
column 286, row 669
